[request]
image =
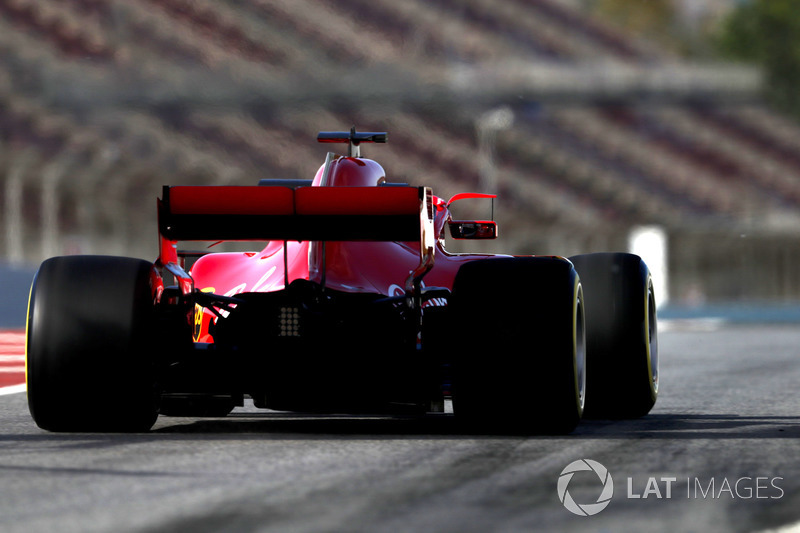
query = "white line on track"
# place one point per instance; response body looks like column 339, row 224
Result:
column 791, row 528
column 13, row 389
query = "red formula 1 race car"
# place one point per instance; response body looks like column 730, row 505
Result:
column 353, row 306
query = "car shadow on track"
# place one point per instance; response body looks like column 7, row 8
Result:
column 694, row 426
column 311, row 426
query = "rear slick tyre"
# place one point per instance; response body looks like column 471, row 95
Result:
column 90, row 345
column 520, row 354
column 621, row 335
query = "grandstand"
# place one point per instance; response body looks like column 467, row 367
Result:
column 104, row 101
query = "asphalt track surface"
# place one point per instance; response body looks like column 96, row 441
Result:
column 720, row 452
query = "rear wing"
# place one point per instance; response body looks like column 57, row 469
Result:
column 254, row 213
column 280, row 213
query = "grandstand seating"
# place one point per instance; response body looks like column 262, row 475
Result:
column 570, row 165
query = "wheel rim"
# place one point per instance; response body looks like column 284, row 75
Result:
column 652, row 337
column 580, row 348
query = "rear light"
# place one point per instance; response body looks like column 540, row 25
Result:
column 289, row 322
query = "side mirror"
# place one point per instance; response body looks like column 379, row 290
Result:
column 473, row 229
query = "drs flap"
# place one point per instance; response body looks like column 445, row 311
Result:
column 281, row 213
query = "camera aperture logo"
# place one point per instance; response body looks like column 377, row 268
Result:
column 606, row 492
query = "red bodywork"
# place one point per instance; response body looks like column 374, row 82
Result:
column 360, row 266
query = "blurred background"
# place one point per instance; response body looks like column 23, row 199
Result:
column 668, row 126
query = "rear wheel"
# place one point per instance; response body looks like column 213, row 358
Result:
column 519, row 361
column 621, row 335
column 90, row 345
